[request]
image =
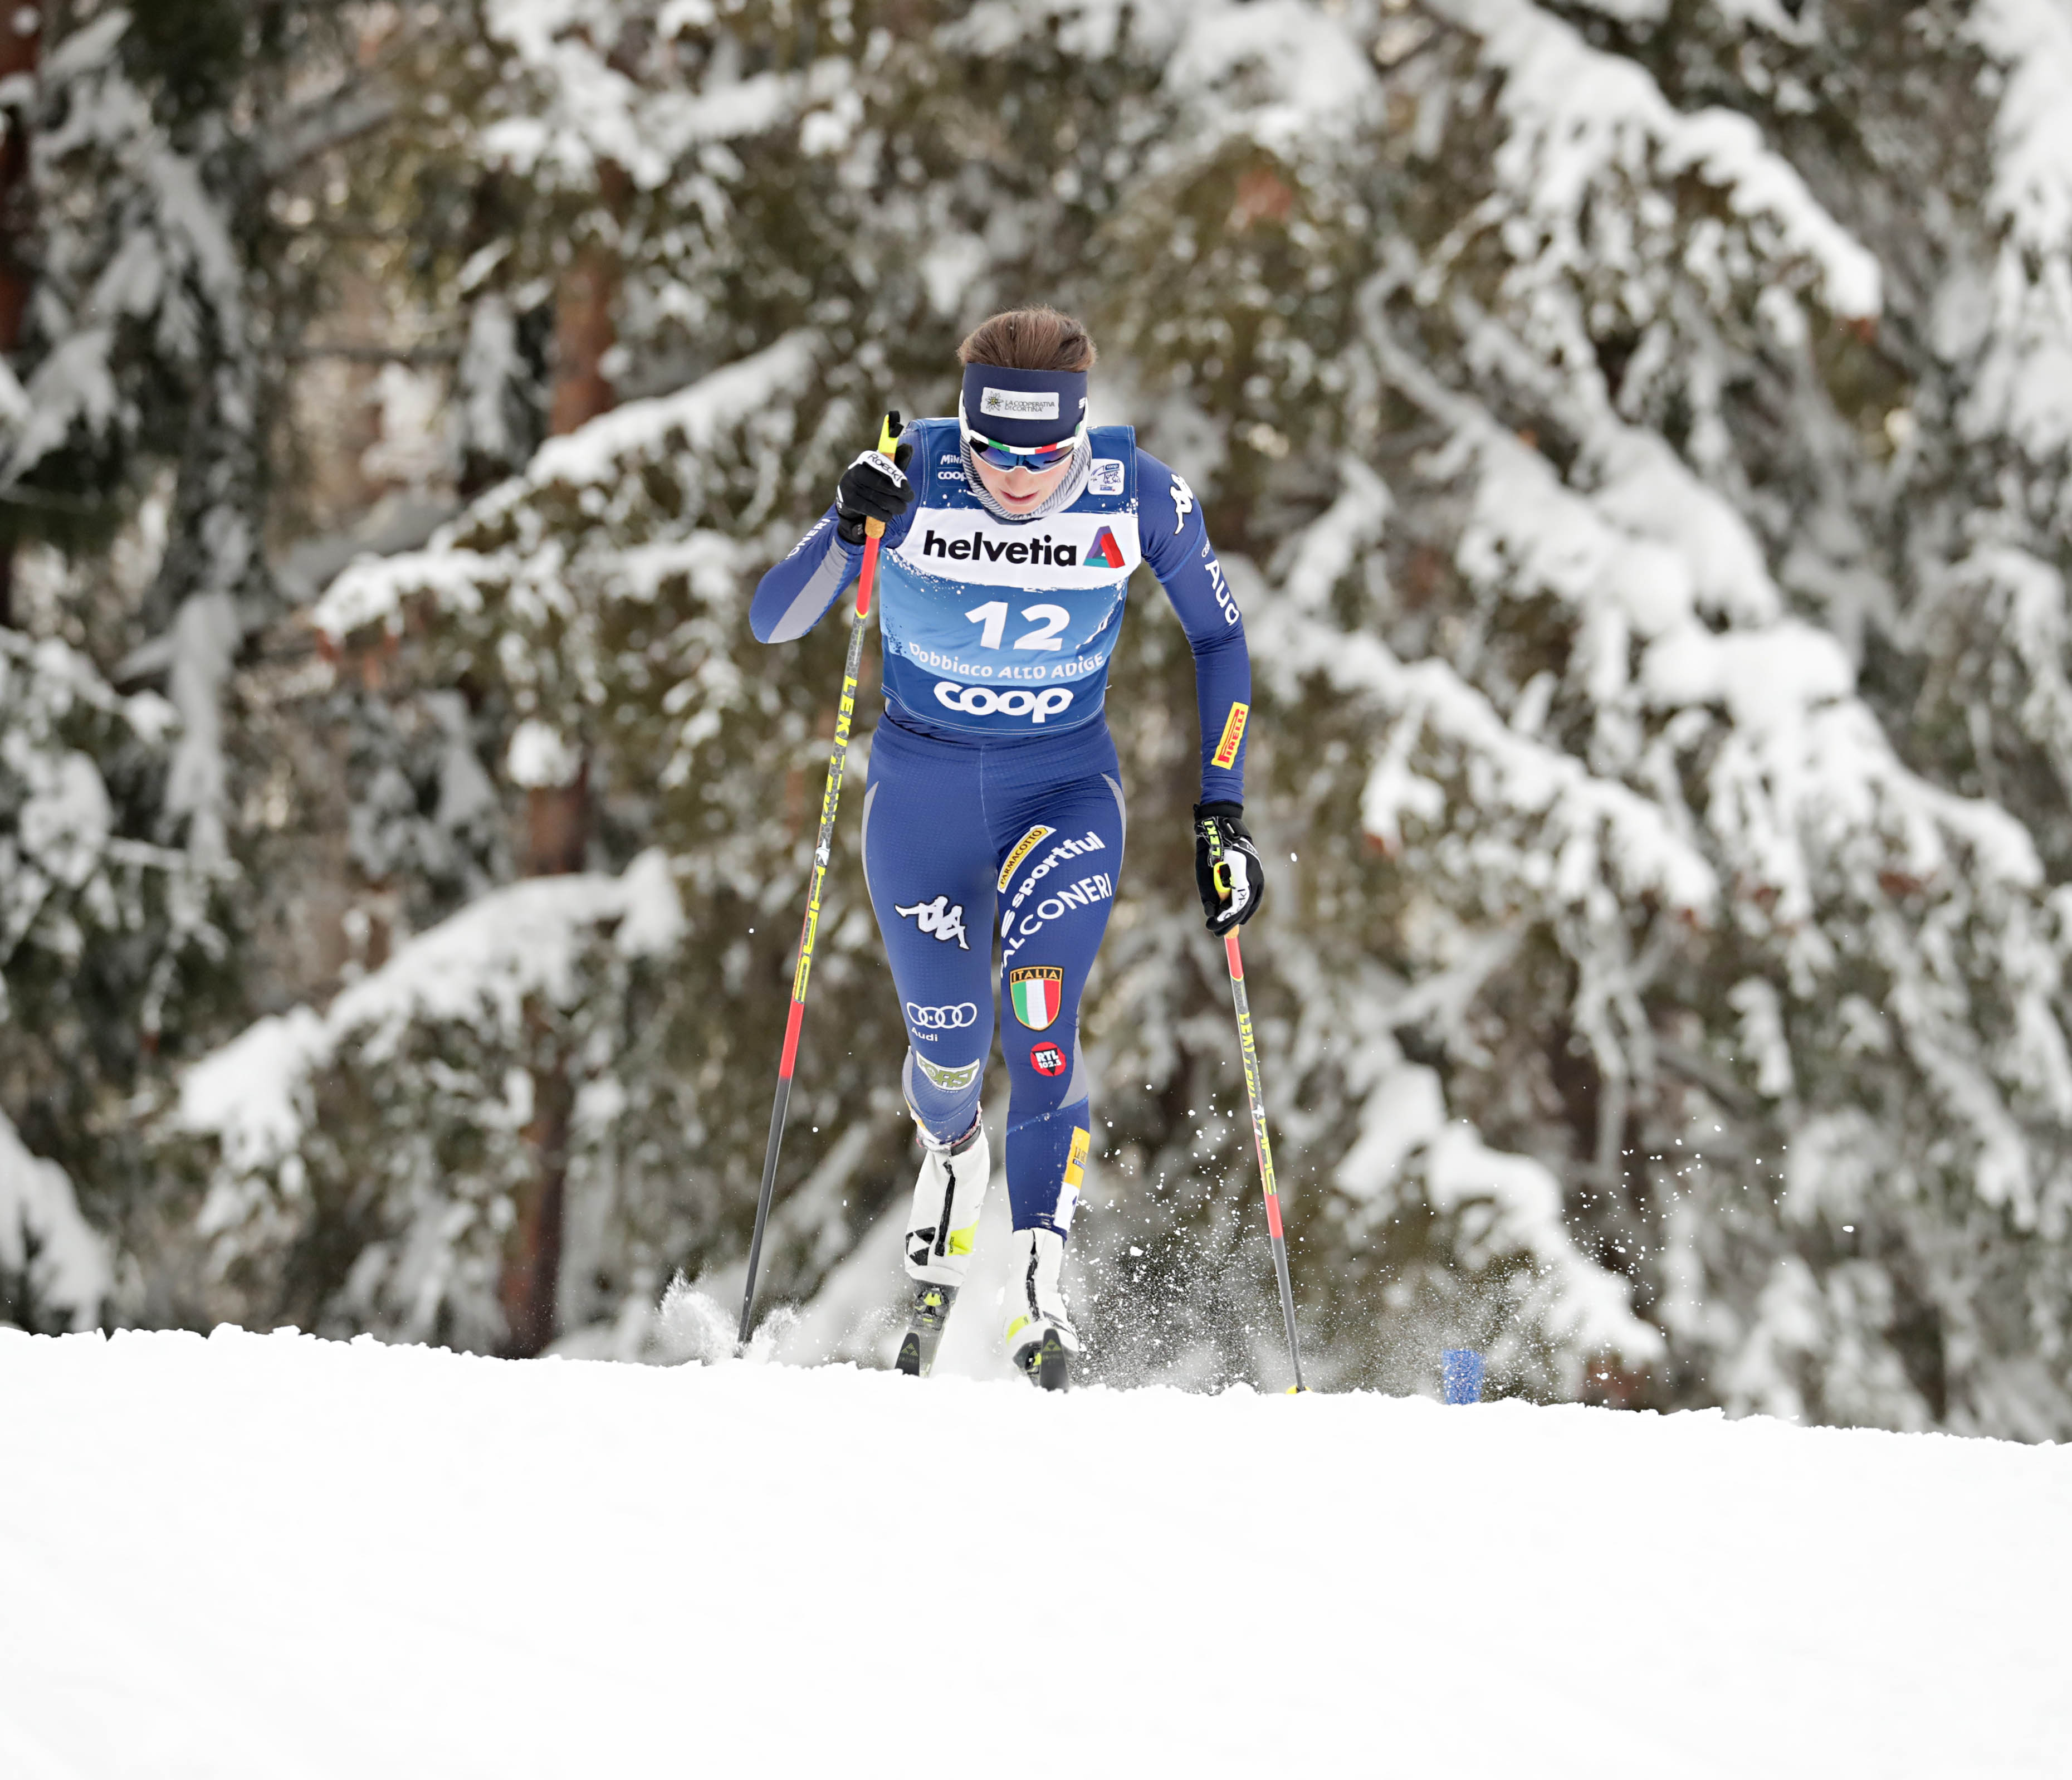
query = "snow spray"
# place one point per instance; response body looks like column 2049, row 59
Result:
column 1461, row 1374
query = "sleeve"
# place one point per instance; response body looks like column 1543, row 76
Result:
column 1176, row 544
column 792, row 597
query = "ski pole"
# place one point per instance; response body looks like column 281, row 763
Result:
column 1254, row 1093
column 874, row 531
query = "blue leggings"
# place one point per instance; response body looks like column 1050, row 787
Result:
column 952, row 833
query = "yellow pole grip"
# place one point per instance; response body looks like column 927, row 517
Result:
column 888, row 436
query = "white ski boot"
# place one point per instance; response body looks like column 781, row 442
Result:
column 941, row 1229
column 1041, row 1340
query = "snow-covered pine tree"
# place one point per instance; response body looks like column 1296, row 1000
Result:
column 1630, row 430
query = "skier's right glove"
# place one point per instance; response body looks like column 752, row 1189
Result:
column 1227, row 870
column 873, row 487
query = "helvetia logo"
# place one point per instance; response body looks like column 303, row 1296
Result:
column 1105, row 547
column 1045, row 552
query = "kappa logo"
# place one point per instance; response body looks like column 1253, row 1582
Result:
column 1183, row 502
column 1047, row 1059
column 943, row 1020
column 1028, row 844
column 1105, row 477
column 1036, row 992
column 939, row 918
column 1105, row 548
column 984, row 702
column 952, row 1079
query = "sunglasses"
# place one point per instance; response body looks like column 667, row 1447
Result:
column 1019, row 457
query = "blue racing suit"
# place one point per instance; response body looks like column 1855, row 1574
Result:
column 994, row 783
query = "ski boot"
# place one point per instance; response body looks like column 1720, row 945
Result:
column 941, row 1229
column 930, row 1317
column 1041, row 1340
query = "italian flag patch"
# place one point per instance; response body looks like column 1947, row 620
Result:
column 1037, row 993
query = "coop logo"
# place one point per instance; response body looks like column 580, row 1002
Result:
column 943, row 1020
column 984, row 702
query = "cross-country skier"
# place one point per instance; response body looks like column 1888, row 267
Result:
column 1011, row 533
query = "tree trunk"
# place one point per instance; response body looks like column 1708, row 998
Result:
column 557, row 837
column 20, row 50
column 533, row 1253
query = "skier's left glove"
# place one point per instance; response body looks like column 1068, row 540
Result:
column 1227, row 866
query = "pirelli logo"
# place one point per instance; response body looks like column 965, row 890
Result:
column 1028, row 844
column 1226, row 753
column 1076, row 1163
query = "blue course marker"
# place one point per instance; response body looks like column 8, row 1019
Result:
column 1460, row 1371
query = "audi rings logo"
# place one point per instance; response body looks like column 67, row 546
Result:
column 943, row 1020
column 1016, row 702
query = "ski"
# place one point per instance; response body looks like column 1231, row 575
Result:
column 930, row 1317
column 1049, row 1363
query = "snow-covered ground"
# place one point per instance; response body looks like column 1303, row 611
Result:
column 274, row 1557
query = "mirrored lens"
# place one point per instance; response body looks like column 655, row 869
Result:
column 1001, row 457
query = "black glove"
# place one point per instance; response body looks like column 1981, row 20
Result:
column 873, row 487
column 1227, row 866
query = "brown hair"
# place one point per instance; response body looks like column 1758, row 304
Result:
column 1039, row 339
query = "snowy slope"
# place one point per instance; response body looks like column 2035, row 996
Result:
column 274, row 1557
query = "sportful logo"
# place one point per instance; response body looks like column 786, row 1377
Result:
column 1036, row 992
column 1023, row 848
column 943, row 1020
column 937, row 917
column 1058, row 855
column 983, row 702
column 954, row 1078
column 1105, row 547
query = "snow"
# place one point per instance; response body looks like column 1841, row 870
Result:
column 354, row 1559
column 41, row 1234
column 1580, row 116
column 596, row 456
column 2025, row 382
column 479, row 965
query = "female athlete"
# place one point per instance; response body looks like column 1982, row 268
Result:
column 1011, row 533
